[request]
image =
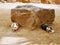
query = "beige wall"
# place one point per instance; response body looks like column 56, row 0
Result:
column 23, row 1
column 37, row 1
column 57, row 1
column 43, row 1
column 11, row 0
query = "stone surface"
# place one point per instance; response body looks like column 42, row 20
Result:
column 46, row 16
column 31, row 16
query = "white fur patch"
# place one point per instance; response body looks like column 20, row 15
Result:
column 14, row 26
column 52, row 31
column 48, row 28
